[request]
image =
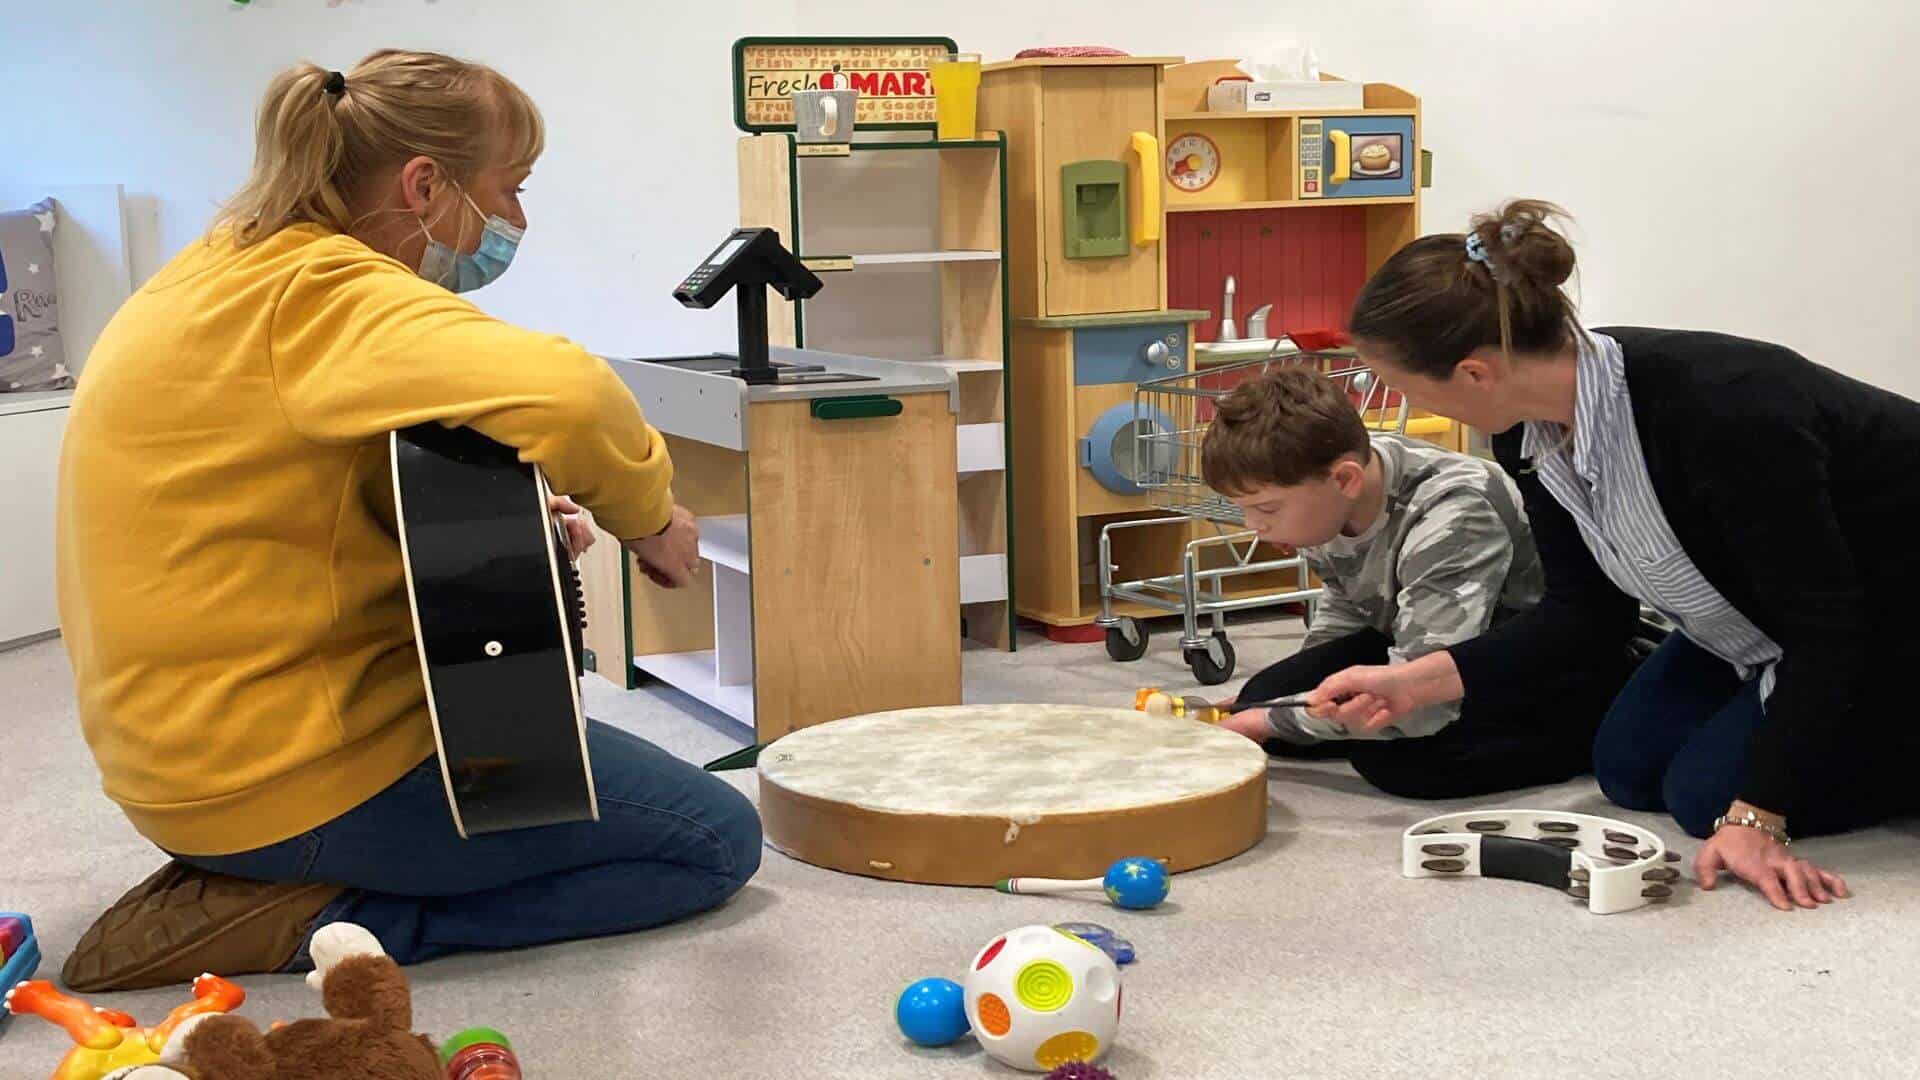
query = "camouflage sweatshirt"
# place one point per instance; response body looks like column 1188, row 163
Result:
column 1450, row 555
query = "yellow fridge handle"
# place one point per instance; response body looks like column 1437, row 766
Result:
column 1342, row 163
column 1145, row 226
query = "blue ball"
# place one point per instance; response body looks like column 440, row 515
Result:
column 1136, row 883
column 932, row 1012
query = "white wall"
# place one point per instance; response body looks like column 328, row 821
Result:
column 1744, row 167
column 637, row 184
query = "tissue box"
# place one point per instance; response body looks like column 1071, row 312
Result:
column 1240, row 95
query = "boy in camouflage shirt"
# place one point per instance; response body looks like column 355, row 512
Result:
column 1417, row 548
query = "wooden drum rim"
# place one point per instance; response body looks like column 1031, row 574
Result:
column 980, row 848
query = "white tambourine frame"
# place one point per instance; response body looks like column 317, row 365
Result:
column 1614, row 865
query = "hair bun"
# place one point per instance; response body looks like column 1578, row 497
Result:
column 1524, row 243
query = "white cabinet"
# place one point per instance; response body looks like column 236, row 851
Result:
column 30, row 430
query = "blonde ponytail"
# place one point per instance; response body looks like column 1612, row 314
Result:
column 320, row 141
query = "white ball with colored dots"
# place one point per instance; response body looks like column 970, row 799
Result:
column 1038, row 998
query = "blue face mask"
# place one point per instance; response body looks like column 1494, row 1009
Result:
column 461, row 272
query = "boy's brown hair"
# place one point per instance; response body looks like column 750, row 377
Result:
column 1283, row 428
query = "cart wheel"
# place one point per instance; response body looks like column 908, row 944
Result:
column 1127, row 641
column 1213, row 664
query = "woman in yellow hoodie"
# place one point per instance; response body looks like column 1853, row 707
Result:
column 230, row 580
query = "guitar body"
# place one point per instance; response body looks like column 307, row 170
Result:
column 497, row 614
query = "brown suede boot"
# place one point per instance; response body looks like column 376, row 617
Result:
column 183, row 921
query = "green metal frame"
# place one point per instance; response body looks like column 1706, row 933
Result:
column 739, row 64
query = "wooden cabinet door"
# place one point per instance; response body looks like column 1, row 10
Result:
column 1091, row 113
column 856, row 566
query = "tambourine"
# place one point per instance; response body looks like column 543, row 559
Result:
column 1613, row 865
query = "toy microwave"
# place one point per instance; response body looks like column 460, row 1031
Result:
column 1356, row 157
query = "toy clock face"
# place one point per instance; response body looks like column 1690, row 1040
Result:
column 1193, row 162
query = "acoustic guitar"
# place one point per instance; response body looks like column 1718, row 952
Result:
column 497, row 616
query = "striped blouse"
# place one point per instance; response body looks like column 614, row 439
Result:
column 1598, row 473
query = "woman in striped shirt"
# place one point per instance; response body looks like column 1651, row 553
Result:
column 1749, row 495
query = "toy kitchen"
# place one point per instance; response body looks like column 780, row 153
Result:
column 1165, row 217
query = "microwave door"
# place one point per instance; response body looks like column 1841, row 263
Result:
column 1369, row 157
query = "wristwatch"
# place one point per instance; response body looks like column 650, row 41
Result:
column 1747, row 819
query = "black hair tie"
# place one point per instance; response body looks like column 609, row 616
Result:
column 336, row 84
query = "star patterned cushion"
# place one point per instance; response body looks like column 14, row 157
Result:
column 32, row 356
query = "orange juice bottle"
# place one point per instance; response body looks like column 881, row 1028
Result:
column 956, row 94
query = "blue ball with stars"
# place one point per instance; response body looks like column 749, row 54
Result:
column 1136, row 883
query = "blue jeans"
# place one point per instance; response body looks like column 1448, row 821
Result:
column 1676, row 740
column 671, row 841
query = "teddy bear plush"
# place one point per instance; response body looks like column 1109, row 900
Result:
column 367, row 1033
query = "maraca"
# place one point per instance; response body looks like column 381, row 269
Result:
column 1157, row 702
column 1135, row 883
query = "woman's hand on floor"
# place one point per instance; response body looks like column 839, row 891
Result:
column 1761, row 861
column 573, row 518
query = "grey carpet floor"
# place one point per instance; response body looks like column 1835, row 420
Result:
column 1306, row 957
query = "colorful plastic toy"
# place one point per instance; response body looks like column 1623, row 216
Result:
column 105, row 1041
column 479, row 1054
column 1135, row 883
column 1039, row 998
column 932, row 1012
column 1101, row 938
column 1157, row 702
column 19, row 949
column 1079, row 1070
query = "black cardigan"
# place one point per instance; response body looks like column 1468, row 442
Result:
column 1794, row 489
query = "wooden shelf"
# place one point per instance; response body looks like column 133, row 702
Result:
column 1282, row 114
column 829, row 263
column 941, row 302
column 1289, row 204
column 696, row 675
column 905, row 257
column 723, row 540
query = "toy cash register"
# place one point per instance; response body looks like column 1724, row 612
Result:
column 751, row 259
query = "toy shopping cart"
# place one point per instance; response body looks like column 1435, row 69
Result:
column 1171, row 416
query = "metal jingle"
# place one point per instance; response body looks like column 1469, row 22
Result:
column 1621, row 853
column 1445, row 866
column 1657, row 892
column 1579, row 873
column 1431, row 832
column 1615, row 836
column 1663, row 874
column 1565, row 843
column 1486, row 826
column 1672, row 855
column 1444, row 849
column 1558, row 827
column 1646, row 853
column 1579, row 892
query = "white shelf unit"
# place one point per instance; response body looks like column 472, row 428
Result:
column 909, row 236
column 723, row 675
column 723, row 540
column 694, row 674
column 982, row 448
column 898, row 258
